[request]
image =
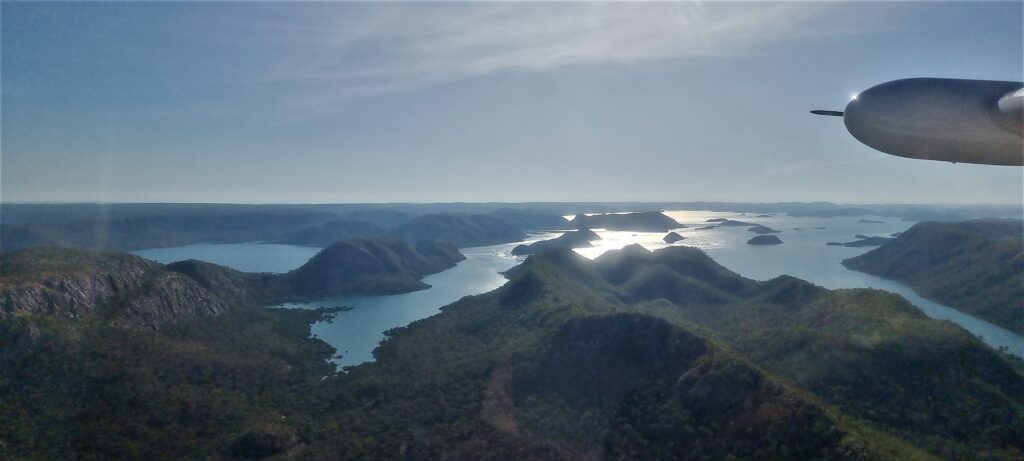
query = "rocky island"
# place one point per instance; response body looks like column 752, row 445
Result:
column 672, row 237
column 732, row 223
column 764, row 240
column 568, row 240
column 759, row 229
column 650, row 221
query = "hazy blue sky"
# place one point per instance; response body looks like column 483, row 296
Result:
column 356, row 102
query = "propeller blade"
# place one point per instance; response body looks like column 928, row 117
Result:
column 833, row 113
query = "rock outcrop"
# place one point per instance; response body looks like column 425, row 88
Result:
column 122, row 288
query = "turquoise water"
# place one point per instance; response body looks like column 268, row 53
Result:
column 803, row 254
column 357, row 332
column 247, row 257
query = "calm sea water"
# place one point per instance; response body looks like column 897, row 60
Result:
column 803, row 254
column 247, row 257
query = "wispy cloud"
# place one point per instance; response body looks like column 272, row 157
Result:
column 348, row 51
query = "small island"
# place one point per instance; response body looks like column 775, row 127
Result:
column 672, row 237
column 648, row 221
column 862, row 241
column 731, row 223
column 763, row 230
column 568, row 240
column 764, row 240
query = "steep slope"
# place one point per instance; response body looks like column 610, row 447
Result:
column 349, row 267
column 371, row 266
column 543, row 369
column 973, row 266
column 635, row 355
column 868, row 352
column 464, row 230
column 124, row 289
column 873, row 377
column 239, row 385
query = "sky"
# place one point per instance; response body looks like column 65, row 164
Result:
column 434, row 102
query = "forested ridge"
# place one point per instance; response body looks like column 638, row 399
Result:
column 635, row 355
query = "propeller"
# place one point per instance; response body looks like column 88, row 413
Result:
column 833, row 113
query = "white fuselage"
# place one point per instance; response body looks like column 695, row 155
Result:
column 969, row 121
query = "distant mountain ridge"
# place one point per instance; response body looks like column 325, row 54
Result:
column 134, row 226
column 465, row 230
column 974, row 266
column 326, row 234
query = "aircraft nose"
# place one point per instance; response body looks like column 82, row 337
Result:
column 916, row 118
column 905, row 116
column 939, row 119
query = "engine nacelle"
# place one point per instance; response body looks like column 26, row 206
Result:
column 969, row 121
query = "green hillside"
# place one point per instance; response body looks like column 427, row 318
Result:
column 974, row 266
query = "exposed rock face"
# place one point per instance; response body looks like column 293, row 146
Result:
column 239, row 287
column 126, row 289
column 132, row 291
column 672, row 237
column 764, row 240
